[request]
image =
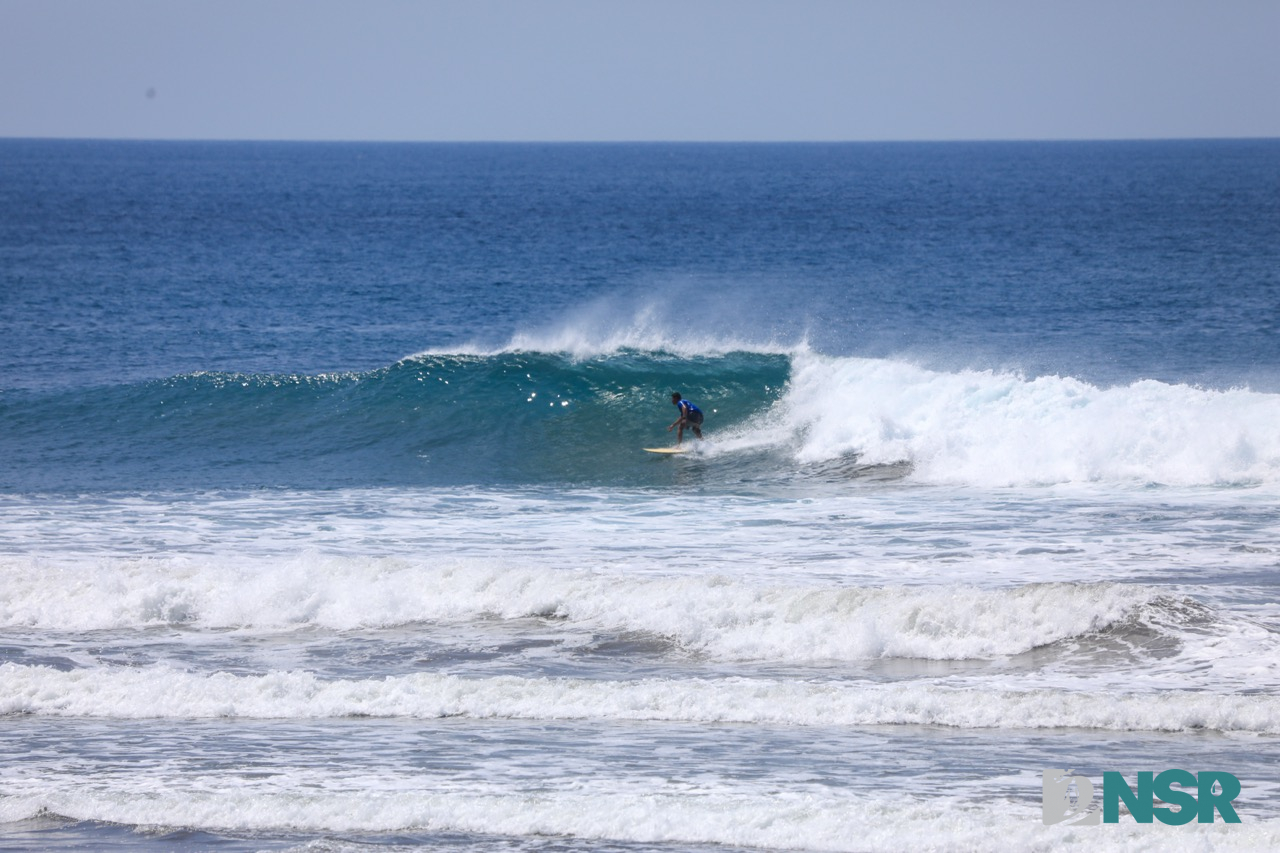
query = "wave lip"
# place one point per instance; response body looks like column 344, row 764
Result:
column 663, row 327
column 164, row 693
column 630, row 343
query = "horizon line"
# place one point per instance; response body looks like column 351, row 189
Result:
column 537, row 141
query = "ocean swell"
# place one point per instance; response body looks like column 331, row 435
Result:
column 514, row 417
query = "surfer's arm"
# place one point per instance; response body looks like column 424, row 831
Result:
column 684, row 415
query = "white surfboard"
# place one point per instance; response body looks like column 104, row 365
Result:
column 666, row 450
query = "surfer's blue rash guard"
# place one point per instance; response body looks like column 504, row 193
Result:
column 690, row 411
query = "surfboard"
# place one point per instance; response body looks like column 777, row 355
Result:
column 667, row 449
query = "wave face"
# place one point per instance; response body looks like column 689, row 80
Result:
column 506, row 418
column 514, row 416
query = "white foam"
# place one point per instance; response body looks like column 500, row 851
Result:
column 712, row 615
column 812, row 819
column 968, row 427
column 989, row 428
column 162, row 692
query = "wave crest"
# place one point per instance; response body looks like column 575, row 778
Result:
column 160, row 692
column 996, row 429
column 708, row 615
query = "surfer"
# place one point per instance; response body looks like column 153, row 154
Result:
column 690, row 415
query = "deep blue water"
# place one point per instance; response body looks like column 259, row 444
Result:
column 1109, row 261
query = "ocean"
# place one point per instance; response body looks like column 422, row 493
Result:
column 326, row 523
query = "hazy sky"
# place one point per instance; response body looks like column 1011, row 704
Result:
column 640, row 70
